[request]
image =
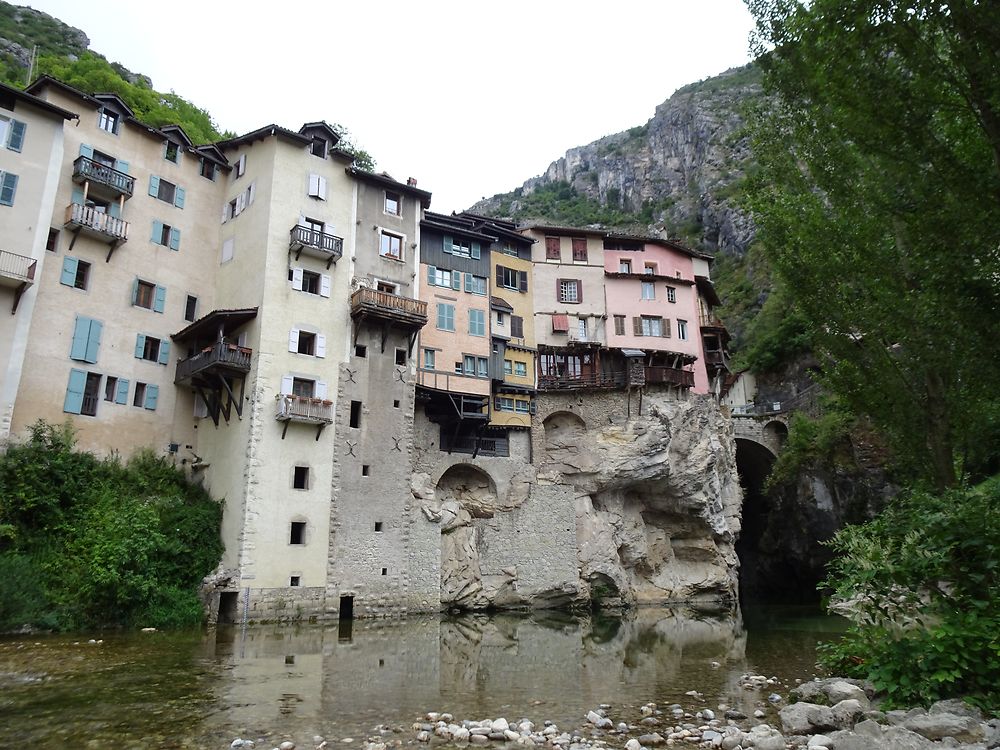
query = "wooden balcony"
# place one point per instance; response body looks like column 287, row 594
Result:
column 18, row 273
column 105, row 181
column 581, row 382
column 483, row 446
column 711, row 320
column 669, row 376
column 304, row 240
column 219, row 359
column 97, row 224
column 391, row 308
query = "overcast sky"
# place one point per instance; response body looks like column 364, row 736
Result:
column 469, row 98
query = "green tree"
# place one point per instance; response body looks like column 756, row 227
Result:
column 878, row 205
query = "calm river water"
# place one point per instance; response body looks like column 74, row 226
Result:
column 203, row 689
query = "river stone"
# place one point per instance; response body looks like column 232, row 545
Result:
column 763, row 737
column 840, row 690
column 713, row 737
column 806, row 718
column 461, row 734
column 957, row 707
column 423, row 736
column 651, row 739
column 479, row 739
column 286, row 745
column 732, row 738
column 633, row 744
column 937, row 726
column 819, row 740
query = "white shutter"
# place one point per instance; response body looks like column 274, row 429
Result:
column 314, row 184
column 241, row 202
column 241, row 165
column 225, row 213
column 322, row 188
column 251, row 192
column 286, row 385
column 302, row 220
column 227, row 250
column 297, row 279
column 293, row 340
column 324, row 285
column 320, row 389
column 320, row 345
column 200, row 410
column 242, row 339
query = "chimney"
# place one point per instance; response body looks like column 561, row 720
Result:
column 411, row 181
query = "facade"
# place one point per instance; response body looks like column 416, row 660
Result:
column 31, row 149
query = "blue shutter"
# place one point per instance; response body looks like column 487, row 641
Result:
column 475, row 251
column 152, row 394
column 87, row 151
column 81, row 332
column 94, row 340
column 157, row 232
column 179, row 197
column 135, row 290
column 7, row 188
column 159, row 298
column 431, row 274
column 68, row 276
column 121, row 397
column 154, row 185
column 468, row 282
column 456, row 281
column 441, row 316
column 121, row 166
column 77, row 196
column 16, row 138
column 140, row 345
column 175, row 239
column 446, row 244
column 164, row 358
column 73, row 403
column 115, row 211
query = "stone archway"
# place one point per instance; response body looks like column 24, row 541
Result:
column 564, row 431
column 753, row 462
column 775, row 434
column 471, row 487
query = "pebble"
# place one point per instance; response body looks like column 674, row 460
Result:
column 774, row 698
column 286, row 745
column 633, row 744
column 423, row 736
column 759, row 714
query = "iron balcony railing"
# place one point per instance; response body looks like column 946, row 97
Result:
column 19, row 268
column 669, row 375
column 572, row 382
column 292, row 408
column 318, row 243
column 219, row 355
column 87, row 217
column 102, row 174
column 481, row 446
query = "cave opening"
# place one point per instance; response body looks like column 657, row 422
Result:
column 775, row 550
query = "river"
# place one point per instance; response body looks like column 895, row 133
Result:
column 202, row 689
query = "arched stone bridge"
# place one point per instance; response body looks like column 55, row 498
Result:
column 767, row 428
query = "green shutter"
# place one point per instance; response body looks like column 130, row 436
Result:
column 175, row 239
column 446, row 244
column 159, row 298
column 157, row 232
column 154, row 185
column 140, row 345
column 476, row 253
column 121, row 397
column 431, row 274
column 164, row 357
column 456, row 281
column 8, row 187
column 152, row 394
column 81, row 332
column 68, row 275
column 16, row 138
column 94, row 340
column 468, row 282
column 73, row 404
column 179, row 197
column 86, row 151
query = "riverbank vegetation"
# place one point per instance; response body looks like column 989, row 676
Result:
column 92, row 543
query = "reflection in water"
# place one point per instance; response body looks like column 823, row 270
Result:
column 194, row 690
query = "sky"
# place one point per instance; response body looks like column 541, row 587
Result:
column 470, row 98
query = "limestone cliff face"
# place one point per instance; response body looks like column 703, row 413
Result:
column 618, row 507
column 682, row 164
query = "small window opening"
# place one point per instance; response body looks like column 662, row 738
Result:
column 355, row 414
column 292, row 581
column 190, row 308
column 110, row 388
column 307, row 343
column 365, row 470
column 52, row 243
column 385, row 571
column 395, row 403
column 297, row 535
column 360, row 350
column 346, row 608
column 301, row 478
column 381, row 662
column 401, row 356
column 290, row 658
column 378, row 526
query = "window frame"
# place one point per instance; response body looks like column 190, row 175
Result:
column 401, row 239
column 109, row 121
column 398, row 200
column 565, row 285
column 647, row 291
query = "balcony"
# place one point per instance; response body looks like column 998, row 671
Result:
column 316, row 244
column 391, row 308
column 669, row 376
column 579, row 338
column 483, row 446
column 97, row 224
column 219, row 359
column 303, row 409
column 16, row 272
column 105, row 181
column 710, row 320
column 581, row 382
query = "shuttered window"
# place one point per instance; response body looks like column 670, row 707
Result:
column 86, row 340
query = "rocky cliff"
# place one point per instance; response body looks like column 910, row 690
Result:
column 678, row 174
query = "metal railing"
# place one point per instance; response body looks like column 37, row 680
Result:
column 292, row 408
column 669, row 375
column 486, row 446
column 88, row 169
column 220, row 354
column 98, row 221
column 328, row 244
column 19, row 267
column 392, row 303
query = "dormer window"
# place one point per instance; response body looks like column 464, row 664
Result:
column 172, row 152
column 208, row 169
column 109, row 121
column 318, row 148
column 393, row 203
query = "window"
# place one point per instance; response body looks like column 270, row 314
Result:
column 581, row 329
column 508, row 278
column 146, row 396
column 360, row 350
column 393, row 204
column 552, row 248
column 109, row 121
column 508, row 249
column 52, row 243
column 462, row 248
column 401, row 357
column 378, row 527
column 190, row 308
column 649, row 269
column 521, row 369
column 386, row 286
column 306, row 343
column 682, row 330
column 8, row 188
column 440, row 276
column 506, row 403
column 75, row 272
column 570, row 291
column 110, row 388
column 483, row 367
column 651, row 326
column 303, row 387
column 318, row 147
column 209, row 169
column 355, row 414
column 508, row 367
column 82, row 393
column 445, row 317
column 477, row 322
column 475, row 284
column 166, row 191
column 317, row 187
column 500, row 318
column 240, row 203
column 172, row 152
column 366, row 471
column 300, row 478
column 469, row 365
column 619, row 325
column 297, row 532
column 12, row 133
column 152, row 349
column 579, row 250
column 671, row 294
column 517, row 326
column 391, row 246
column 240, row 168
column 166, row 235
column 624, row 266
column 294, row 581
column 648, row 290
column 86, row 343
column 429, row 359
column 148, row 295
column 309, row 282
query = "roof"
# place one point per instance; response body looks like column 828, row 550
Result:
column 633, row 352
column 35, row 101
column 570, row 231
column 445, row 223
column 228, row 320
column 707, row 290
column 500, row 227
column 501, row 304
column 386, row 181
column 672, row 244
column 179, row 132
column 265, row 132
column 321, row 125
column 117, row 100
column 649, row 276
